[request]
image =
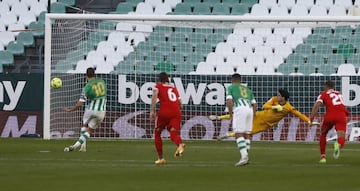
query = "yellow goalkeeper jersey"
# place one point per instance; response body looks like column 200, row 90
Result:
column 269, row 117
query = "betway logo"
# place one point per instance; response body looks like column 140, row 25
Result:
column 129, row 92
column 351, row 92
column 13, row 94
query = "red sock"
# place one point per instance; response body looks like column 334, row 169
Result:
column 158, row 142
column 322, row 144
column 341, row 141
column 174, row 136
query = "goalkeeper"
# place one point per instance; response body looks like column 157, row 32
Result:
column 273, row 111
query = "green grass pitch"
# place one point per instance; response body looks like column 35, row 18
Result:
column 34, row 164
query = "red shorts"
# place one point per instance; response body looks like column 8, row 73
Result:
column 168, row 122
column 338, row 121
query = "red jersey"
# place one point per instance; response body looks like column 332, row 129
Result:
column 333, row 102
column 169, row 99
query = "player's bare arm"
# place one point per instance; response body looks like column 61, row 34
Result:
column 154, row 98
column 75, row 107
column 314, row 111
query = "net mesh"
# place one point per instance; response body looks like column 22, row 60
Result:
column 200, row 58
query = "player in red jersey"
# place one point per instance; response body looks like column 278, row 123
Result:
column 168, row 116
column 335, row 115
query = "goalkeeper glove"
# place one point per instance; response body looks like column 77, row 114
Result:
column 214, row 117
column 277, row 107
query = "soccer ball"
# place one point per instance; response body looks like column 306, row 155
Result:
column 56, row 83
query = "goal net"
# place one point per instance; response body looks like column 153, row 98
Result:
column 200, row 53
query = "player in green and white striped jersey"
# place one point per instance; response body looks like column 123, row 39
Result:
column 94, row 96
column 242, row 107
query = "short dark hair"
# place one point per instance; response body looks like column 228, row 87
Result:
column 236, row 77
column 163, row 77
column 284, row 93
column 330, row 84
column 90, row 72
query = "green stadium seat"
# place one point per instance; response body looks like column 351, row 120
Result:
column 164, row 47
column 315, row 59
column 67, row 2
column 344, row 31
column 16, row 48
column 334, row 40
column 354, row 59
column 239, row 9
column 97, row 36
column 215, row 38
column 37, row 29
column 87, row 45
column 214, row 2
column 295, row 59
column 165, row 67
column 304, row 49
column 203, row 48
column 346, row 50
column 177, row 37
column 1, row 69
column 57, row 8
column 196, row 38
column 194, row 58
column 124, row 8
column 314, row 39
column 26, row 38
column 336, row 59
column 124, row 68
column 184, row 30
column 176, row 57
column 62, row 66
column 184, row 68
column 184, row 47
column 6, row 58
column 231, row 2
column 107, row 26
column 156, row 56
column 323, row 31
column 145, row 68
column 286, row 69
column 324, row 49
column 163, row 30
column 326, row 69
column 306, row 69
column 221, row 10
column 183, row 9
column 201, row 9
column 41, row 17
column 249, row 3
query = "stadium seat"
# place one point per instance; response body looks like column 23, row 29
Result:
column 255, row 60
column 172, row 3
column 262, row 31
column 144, row 28
column 307, row 3
column 6, row 37
column 314, row 40
column 346, row 50
column 274, row 40
column 259, row 10
column 279, row 10
column 26, row 38
column 82, row 65
column 221, row 10
column 295, row 59
column 16, row 48
column 235, row 39
column 302, row 31
column 244, row 50
column 105, row 48
column 346, row 70
column 18, row 7
column 235, row 60
column 224, row 48
column 284, row 50
column 62, row 66
column 124, row 68
column 162, row 9
column 263, row 50
column 114, row 59
column 323, row 49
column 15, row 28
column 4, row 8
column 315, row 59
column 265, row 69
column 344, row 31
column 116, row 37
column 214, row 59
column 337, row 59
column 38, row 8
column 57, row 8
column 325, row 3
column 324, row 31
column 337, row 10
column 144, row 8
column 254, row 40
column 345, row 3
column 299, row 10
column 94, row 58
column 318, row 10
column 353, row 59
column 183, row 9
column 274, row 60
column 124, row 8
column 9, row 18
column 145, row 68
column 304, row 49
column 245, row 69
column 242, row 30
column 249, row 3
column 334, row 40
column 224, row 69
column 201, row 9
column 204, row 69
column 239, row 9
column 67, row 2
column 326, row 69
column 177, row 38
column 6, row 58
column 306, row 69
column 165, row 67
column 27, row 17
column 153, row 3
column 282, row 31
column 185, row 68
column 104, row 68
column 136, row 38
column 37, row 28
column 267, row 3
column 287, row 3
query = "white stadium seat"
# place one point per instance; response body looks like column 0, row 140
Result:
column 263, row 50
column 162, row 9
column 307, row 3
column 254, row 40
column 6, row 37
column 37, row 8
column 337, row 10
column 274, row 40
column 225, row 49
column 224, row 69
column 4, row 8
column 8, row 18
column 172, row 3
column 259, row 10
column 144, row 9
column 267, row 3
column 284, row 50
column 346, row 3
column 235, row 39
column 136, row 37
column 325, row 3
column 235, row 60
column 318, row 11
column 299, row 10
column 265, row 69
column 279, row 10
column 27, row 17
column 346, row 70
column 18, row 8
column 293, row 40
column 204, row 68
column 116, row 37
column 245, row 69
column 275, row 60
column 105, row 48
column 16, row 28
column 214, row 59
column 287, row 3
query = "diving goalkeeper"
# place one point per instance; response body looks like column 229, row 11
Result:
column 273, row 111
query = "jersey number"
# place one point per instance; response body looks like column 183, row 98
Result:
column 336, row 99
column 171, row 95
column 243, row 92
column 99, row 89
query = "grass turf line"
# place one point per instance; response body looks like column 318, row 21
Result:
column 34, row 164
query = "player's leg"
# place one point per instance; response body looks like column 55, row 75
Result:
column 340, row 128
column 249, row 124
column 240, row 118
column 174, row 129
column 159, row 126
column 322, row 140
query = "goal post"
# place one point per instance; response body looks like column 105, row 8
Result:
column 200, row 53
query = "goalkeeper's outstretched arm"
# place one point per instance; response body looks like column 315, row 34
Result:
column 221, row 117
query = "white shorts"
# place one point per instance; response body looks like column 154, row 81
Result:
column 242, row 120
column 93, row 118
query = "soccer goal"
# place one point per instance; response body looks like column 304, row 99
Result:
column 200, row 53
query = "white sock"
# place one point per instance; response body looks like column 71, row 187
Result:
column 247, row 141
column 242, row 147
column 81, row 140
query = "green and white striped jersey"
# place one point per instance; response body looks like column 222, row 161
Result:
column 94, row 94
column 241, row 95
